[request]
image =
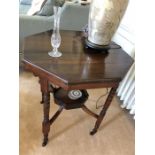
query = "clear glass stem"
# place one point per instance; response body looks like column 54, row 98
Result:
column 55, row 50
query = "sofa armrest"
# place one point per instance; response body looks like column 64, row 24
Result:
column 29, row 25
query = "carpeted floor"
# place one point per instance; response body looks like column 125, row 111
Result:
column 69, row 135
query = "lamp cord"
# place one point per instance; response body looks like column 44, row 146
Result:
column 97, row 101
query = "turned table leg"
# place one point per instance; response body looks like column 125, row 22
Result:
column 46, row 108
column 42, row 98
column 46, row 122
column 103, row 111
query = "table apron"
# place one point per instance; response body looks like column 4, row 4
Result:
column 63, row 84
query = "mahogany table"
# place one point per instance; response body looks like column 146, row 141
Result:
column 78, row 68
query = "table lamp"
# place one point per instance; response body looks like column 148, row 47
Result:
column 104, row 19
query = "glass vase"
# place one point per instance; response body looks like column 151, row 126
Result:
column 55, row 37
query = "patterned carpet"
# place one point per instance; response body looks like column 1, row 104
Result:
column 69, row 135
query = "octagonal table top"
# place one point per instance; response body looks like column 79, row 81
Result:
column 78, row 66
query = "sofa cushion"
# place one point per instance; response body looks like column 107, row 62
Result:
column 36, row 6
column 47, row 8
column 26, row 2
column 41, row 7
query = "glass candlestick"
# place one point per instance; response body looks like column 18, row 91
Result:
column 56, row 38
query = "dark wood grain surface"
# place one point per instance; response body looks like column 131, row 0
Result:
column 76, row 68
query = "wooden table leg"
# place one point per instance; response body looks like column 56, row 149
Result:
column 42, row 98
column 103, row 111
column 46, row 108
